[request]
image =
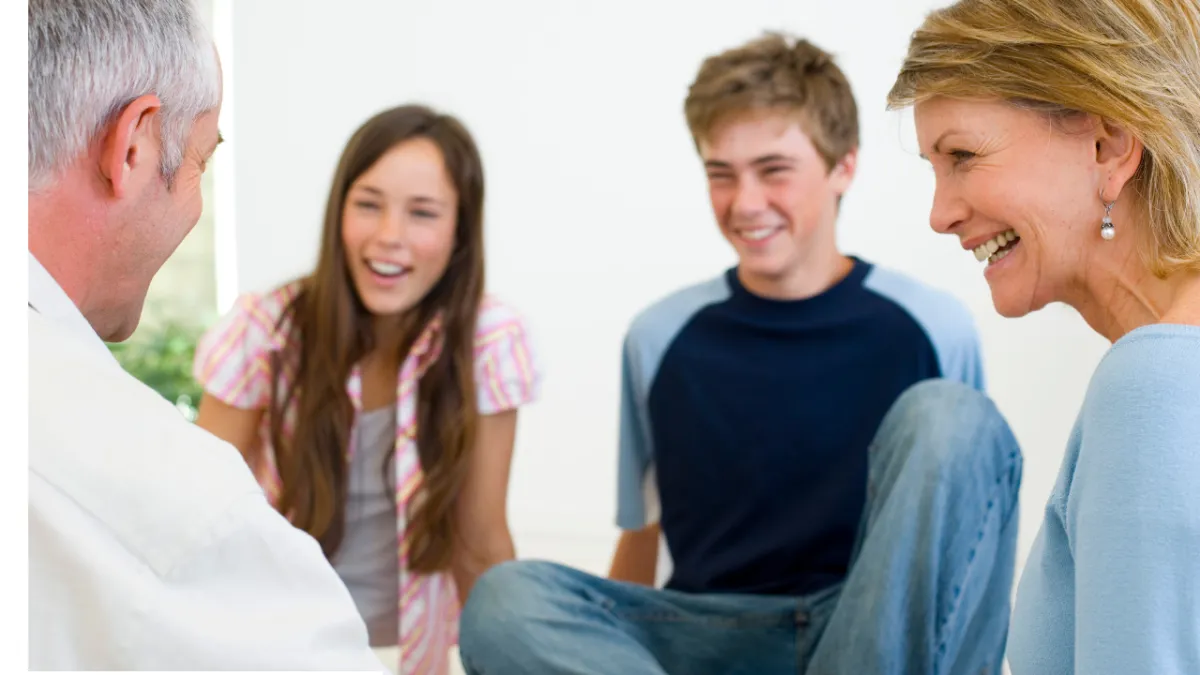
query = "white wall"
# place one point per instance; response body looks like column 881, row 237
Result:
column 596, row 202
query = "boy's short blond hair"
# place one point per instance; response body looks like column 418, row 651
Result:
column 777, row 73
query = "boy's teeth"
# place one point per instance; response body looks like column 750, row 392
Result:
column 759, row 234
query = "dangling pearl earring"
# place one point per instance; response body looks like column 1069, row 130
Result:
column 1107, row 229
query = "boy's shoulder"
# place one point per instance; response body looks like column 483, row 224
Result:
column 943, row 316
column 657, row 324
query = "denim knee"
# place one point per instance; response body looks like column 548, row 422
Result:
column 932, row 400
column 950, row 427
column 501, row 598
column 501, row 588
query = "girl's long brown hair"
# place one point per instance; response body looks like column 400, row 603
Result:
column 334, row 332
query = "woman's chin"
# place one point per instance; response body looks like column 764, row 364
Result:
column 1008, row 304
column 384, row 305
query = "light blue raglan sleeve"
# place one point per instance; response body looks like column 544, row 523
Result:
column 636, row 500
column 1133, row 514
column 649, row 337
column 962, row 359
column 947, row 322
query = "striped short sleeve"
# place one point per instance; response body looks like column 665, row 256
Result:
column 507, row 370
column 232, row 360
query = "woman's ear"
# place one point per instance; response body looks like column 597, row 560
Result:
column 1118, row 156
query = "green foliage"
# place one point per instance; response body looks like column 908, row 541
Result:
column 161, row 357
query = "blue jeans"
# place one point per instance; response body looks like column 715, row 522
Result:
column 927, row 591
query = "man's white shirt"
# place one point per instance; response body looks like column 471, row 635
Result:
column 151, row 546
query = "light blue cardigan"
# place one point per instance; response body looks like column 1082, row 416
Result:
column 1112, row 586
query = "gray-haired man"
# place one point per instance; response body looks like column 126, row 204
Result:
column 151, row 547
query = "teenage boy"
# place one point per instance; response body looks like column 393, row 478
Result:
column 807, row 430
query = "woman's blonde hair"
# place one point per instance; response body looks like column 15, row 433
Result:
column 1135, row 63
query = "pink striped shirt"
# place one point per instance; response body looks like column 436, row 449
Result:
column 233, row 364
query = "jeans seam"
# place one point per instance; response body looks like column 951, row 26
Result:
column 713, row 622
column 956, row 604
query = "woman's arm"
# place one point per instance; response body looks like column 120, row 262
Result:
column 1133, row 514
column 483, row 536
column 236, row 426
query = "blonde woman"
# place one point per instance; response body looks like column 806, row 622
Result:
column 1065, row 139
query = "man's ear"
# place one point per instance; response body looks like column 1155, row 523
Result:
column 842, row 173
column 1118, row 155
column 131, row 143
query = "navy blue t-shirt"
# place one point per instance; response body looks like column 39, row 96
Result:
column 745, row 421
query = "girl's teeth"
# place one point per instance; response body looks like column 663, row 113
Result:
column 386, row 269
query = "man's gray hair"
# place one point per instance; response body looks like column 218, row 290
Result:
column 88, row 59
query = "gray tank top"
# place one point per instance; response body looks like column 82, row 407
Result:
column 368, row 559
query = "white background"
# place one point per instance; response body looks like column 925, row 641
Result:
column 596, row 202
column 14, row 617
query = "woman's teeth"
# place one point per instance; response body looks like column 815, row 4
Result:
column 994, row 250
column 384, row 268
column 998, row 256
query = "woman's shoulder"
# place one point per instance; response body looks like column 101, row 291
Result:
column 1146, row 391
column 264, row 311
column 1157, row 363
column 255, row 323
column 269, row 306
column 508, row 369
column 497, row 315
column 1134, row 455
column 232, row 357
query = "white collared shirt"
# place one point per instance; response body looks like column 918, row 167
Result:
column 151, row 546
